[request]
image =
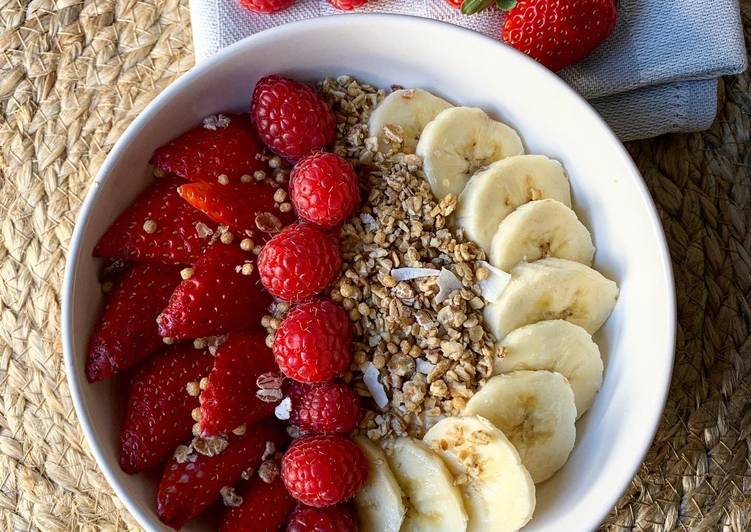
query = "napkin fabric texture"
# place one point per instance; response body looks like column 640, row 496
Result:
column 656, row 74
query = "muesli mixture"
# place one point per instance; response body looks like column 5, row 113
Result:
column 425, row 337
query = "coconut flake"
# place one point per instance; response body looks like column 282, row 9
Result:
column 492, row 287
column 376, row 389
column 423, row 366
column 407, row 274
column 368, row 220
column 283, row 409
column 447, row 283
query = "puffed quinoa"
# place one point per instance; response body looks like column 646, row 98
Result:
column 246, row 244
column 430, row 356
column 223, row 179
column 227, row 237
column 149, row 226
column 280, row 195
column 186, row 273
column 275, row 162
column 168, row 340
column 192, row 389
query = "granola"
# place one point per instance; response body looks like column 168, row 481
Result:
column 422, row 334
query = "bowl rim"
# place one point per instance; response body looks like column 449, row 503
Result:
column 92, row 195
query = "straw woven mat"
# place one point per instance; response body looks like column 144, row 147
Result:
column 74, row 74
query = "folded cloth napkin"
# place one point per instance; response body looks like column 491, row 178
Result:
column 656, row 74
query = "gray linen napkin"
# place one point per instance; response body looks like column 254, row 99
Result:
column 656, row 74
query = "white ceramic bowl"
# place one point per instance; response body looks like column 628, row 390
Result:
column 467, row 69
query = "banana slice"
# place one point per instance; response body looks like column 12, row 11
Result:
column 380, row 502
column 551, row 289
column 499, row 494
column 493, row 193
column 536, row 411
column 559, row 346
column 459, row 141
column 403, row 115
column 539, row 229
column 435, row 504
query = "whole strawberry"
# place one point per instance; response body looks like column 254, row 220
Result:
column 266, row 6
column 314, row 342
column 323, row 470
column 347, row 5
column 559, row 33
column 299, row 263
column 339, row 518
column 291, row 118
column 323, row 188
column 326, row 408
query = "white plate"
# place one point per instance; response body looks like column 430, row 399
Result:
column 468, row 69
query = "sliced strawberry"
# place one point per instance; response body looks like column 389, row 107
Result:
column 127, row 329
column 264, row 507
column 240, row 206
column 203, row 154
column 158, row 227
column 218, row 298
column 157, row 416
column 188, row 488
column 230, row 399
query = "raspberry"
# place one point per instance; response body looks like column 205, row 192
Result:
column 299, row 262
column 323, row 189
column 314, row 342
column 347, row 5
column 331, row 519
column 266, row 6
column 327, row 408
column 323, row 470
column 291, row 118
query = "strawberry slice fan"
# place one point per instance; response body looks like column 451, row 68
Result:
column 195, row 261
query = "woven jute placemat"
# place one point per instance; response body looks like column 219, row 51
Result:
column 74, row 74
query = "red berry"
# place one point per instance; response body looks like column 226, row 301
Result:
column 229, row 399
column 326, row 408
column 158, row 227
column 347, row 5
column 558, row 33
column 323, row 470
column 265, row 507
column 323, row 189
column 455, row 3
column 299, row 263
column 127, row 330
column 266, row 6
column 244, row 207
column 157, row 412
column 314, row 342
column 291, row 118
column 228, row 146
column 218, row 298
column 337, row 518
column 188, row 487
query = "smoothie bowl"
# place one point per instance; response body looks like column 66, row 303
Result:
column 318, row 279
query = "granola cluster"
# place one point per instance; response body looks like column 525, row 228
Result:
column 423, row 338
